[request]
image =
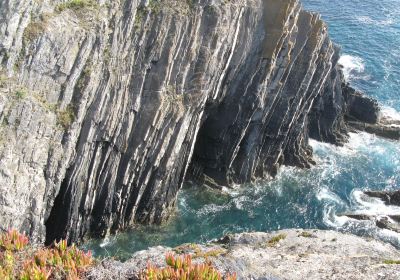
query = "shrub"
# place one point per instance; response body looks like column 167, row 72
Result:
column 20, row 261
column 75, row 5
column 34, row 30
column 20, row 94
column 182, row 268
column 307, row 235
column 13, row 241
column 391, row 261
column 275, row 240
column 66, row 117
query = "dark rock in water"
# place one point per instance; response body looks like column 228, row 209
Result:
column 389, row 222
column 395, row 218
column 385, row 130
column 384, row 223
column 389, row 197
column 363, row 114
column 360, row 217
column 360, row 107
column 122, row 102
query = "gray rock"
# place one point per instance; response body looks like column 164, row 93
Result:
column 360, row 217
column 360, row 107
column 385, row 223
column 328, row 255
column 107, row 108
column 389, row 197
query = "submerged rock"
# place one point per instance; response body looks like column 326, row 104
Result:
column 360, row 217
column 311, row 254
column 389, row 197
column 390, row 222
column 385, row 223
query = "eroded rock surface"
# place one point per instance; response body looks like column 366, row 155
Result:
column 105, row 105
column 389, row 197
column 299, row 255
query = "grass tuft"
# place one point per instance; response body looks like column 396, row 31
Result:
column 75, row 5
column 307, row 235
column 66, row 117
column 20, row 94
column 276, row 239
column 391, row 261
column 34, row 30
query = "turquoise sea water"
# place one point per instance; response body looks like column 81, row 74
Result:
column 369, row 33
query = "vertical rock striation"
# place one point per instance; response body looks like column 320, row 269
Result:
column 107, row 107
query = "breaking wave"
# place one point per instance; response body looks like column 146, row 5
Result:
column 353, row 67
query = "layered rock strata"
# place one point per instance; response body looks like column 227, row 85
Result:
column 106, row 107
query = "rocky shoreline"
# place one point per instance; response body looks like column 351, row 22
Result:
column 288, row 254
column 386, row 221
column 106, row 109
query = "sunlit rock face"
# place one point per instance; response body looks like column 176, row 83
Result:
column 106, row 108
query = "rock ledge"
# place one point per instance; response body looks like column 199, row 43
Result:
column 301, row 254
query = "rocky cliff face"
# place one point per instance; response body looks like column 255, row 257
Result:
column 106, row 107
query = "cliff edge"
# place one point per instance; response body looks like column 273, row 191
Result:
column 283, row 255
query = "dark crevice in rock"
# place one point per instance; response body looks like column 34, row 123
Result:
column 55, row 225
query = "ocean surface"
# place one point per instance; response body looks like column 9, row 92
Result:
column 369, row 33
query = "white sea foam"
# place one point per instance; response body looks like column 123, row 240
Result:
column 361, row 204
column 356, row 143
column 390, row 113
column 353, row 66
column 107, row 241
column 372, row 206
column 325, row 194
column 212, row 209
column 370, row 21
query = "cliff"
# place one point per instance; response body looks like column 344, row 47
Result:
column 289, row 255
column 107, row 107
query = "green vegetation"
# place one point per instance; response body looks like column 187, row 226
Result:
column 198, row 252
column 35, row 28
column 18, row 260
column 3, row 80
column 5, row 121
column 20, row 94
column 66, row 117
column 141, row 13
column 87, row 70
column 75, row 5
column 155, row 6
column 44, row 103
column 307, row 235
column 391, row 261
column 13, row 241
column 190, row 4
column 182, row 268
column 275, row 240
